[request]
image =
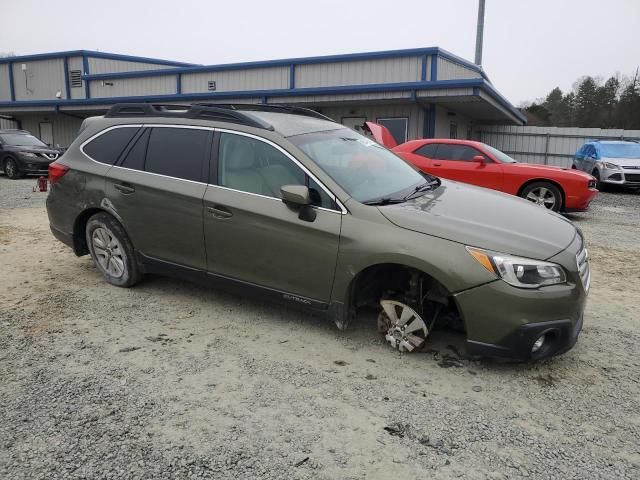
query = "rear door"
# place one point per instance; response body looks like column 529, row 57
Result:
column 253, row 237
column 157, row 189
column 456, row 162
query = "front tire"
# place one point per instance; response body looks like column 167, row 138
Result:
column 544, row 194
column 599, row 185
column 112, row 251
column 11, row 169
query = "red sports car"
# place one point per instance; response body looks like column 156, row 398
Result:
column 556, row 188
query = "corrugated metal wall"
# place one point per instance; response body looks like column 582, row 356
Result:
column 65, row 128
column 390, row 70
column 41, row 80
column 448, row 70
column 8, row 123
column 5, row 91
column 547, row 145
column 237, row 80
column 104, row 65
column 133, row 87
column 75, row 63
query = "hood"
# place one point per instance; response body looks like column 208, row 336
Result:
column 634, row 163
column 382, row 135
column 484, row 218
column 46, row 152
column 536, row 168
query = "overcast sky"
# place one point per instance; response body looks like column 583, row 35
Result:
column 530, row 46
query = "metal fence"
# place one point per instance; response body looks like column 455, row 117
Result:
column 547, row 145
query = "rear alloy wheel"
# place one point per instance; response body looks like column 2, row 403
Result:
column 543, row 194
column 11, row 169
column 402, row 327
column 112, row 251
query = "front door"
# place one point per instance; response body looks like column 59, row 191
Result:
column 157, row 191
column 456, row 162
column 46, row 133
column 253, row 237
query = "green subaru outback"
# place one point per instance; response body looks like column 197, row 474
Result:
column 288, row 204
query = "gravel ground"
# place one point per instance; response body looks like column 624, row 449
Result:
column 170, row 380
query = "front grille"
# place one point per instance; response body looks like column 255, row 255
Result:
column 632, row 177
column 49, row 156
column 582, row 259
column 629, row 167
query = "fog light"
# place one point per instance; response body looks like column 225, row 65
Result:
column 537, row 345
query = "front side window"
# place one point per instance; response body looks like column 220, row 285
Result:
column 177, row 152
column 21, row 140
column 253, row 166
column 363, row 168
column 107, row 147
column 459, row 153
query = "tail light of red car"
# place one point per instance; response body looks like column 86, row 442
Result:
column 56, row 172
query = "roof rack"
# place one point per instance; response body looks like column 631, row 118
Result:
column 261, row 107
column 198, row 111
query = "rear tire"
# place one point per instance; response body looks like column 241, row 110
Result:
column 11, row 169
column 112, row 251
column 544, row 194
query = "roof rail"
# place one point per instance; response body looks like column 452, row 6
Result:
column 197, row 111
column 261, row 107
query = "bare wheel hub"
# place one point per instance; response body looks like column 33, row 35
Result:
column 402, row 327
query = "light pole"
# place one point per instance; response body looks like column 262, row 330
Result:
column 480, row 32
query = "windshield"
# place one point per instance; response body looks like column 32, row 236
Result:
column 500, row 156
column 363, row 168
column 21, row 139
column 620, row 150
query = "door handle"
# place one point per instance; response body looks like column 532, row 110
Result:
column 437, row 164
column 219, row 212
column 126, row 189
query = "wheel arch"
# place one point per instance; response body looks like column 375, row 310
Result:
column 80, row 246
column 547, row 180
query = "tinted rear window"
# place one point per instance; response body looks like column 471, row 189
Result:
column 107, row 147
column 177, row 152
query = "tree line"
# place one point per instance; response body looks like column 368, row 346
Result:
column 614, row 103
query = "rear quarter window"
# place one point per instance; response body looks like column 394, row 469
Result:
column 108, row 147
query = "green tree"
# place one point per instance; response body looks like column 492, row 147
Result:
column 628, row 114
column 587, row 111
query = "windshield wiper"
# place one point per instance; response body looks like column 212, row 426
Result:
column 384, row 201
column 424, row 187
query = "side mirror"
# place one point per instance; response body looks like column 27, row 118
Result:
column 295, row 195
column 298, row 196
column 479, row 159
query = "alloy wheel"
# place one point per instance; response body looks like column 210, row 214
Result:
column 543, row 197
column 402, row 327
column 108, row 252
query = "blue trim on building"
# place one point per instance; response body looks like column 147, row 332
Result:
column 92, row 54
column 425, row 122
column 434, row 68
column 179, row 84
column 12, row 87
column 292, row 76
column 67, row 84
column 431, row 133
column 85, row 71
column 423, row 69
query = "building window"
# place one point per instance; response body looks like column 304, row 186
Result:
column 397, row 126
column 453, row 130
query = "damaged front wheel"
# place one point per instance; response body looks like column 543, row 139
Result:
column 402, row 327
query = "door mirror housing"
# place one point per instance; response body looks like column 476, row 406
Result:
column 295, row 195
column 479, row 159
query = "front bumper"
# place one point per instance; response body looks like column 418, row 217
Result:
column 505, row 321
column 580, row 203
column 625, row 176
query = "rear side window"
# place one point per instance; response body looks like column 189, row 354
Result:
column 107, row 147
column 137, row 154
column 428, row 150
column 177, row 152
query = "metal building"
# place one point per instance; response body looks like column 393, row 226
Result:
column 425, row 92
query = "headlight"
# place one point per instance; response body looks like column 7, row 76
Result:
column 611, row 166
column 28, row 154
column 517, row 271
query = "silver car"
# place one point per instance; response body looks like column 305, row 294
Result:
column 611, row 162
